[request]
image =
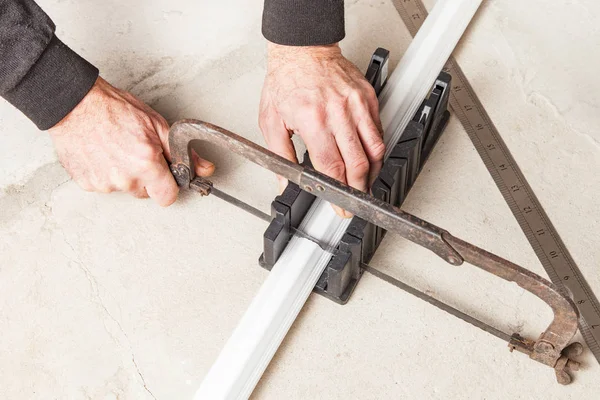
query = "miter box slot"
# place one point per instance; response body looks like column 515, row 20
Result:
column 361, row 239
column 438, row 102
column 377, row 71
column 287, row 210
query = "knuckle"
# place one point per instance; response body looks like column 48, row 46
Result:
column 372, row 99
column 127, row 96
column 148, row 166
column 263, row 122
column 356, row 95
column 377, row 150
column 336, row 168
column 301, row 101
column 128, row 185
column 369, row 91
column 364, row 114
column 359, row 166
column 162, row 123
column 148, row 151
column 140, row 194
column 145, row 119
column 313, row 117
column 104, row 188
column 365, row 97
column 339, row 106
column 262, row 125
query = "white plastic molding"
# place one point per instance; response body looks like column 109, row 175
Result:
column 267, row 320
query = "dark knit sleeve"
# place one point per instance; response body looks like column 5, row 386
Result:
column 303, row 22
column 39, row 74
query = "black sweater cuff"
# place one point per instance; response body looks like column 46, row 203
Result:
column 53, row 86
column 303, row 22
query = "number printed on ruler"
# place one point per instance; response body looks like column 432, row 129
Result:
column 413, row 14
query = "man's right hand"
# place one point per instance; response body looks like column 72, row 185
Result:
column 112, row 141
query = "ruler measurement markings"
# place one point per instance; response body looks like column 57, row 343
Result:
column 526, row 206
column 523, row 200
column 515, row 189
column 411, row 15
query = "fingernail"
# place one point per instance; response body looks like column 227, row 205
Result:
column 204, row 168
column 204, row 164
column 340, row 212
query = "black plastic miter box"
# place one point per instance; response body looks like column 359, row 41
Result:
column 395, row 180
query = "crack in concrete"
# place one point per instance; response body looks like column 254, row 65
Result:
column 58, row 186
column 142, row 377
column 100, row 302
column 595, row 142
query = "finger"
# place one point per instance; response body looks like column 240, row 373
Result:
column 365, row 110
column 106, row 188
column 162, row 128
column 326, row 158
column 373, row 146
column 278, row 140
column 355, row 160
column 277, row 136
column 136, row 189
column 161, row 185
column 282, row 183
column 351, row 150
column 202, row 167
column 100, row 185
column 122, row 182
column 373, row 106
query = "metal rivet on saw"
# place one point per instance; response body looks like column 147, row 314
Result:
column 320, row 188
column 544, row 347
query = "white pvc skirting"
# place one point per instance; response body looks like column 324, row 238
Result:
column 261, row 330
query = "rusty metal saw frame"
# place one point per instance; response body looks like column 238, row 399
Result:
column 552, row 346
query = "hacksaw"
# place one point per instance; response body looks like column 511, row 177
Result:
column 552, row 348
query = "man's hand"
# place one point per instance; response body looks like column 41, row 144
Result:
column 318, row 94
column 112, row 141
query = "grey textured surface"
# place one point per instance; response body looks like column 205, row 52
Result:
column 98, row 302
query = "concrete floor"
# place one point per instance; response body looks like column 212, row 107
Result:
column 107, row 297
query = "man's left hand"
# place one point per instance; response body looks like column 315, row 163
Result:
column 317, row 93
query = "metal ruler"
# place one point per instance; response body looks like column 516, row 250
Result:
column 523, row 203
